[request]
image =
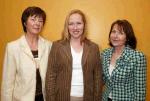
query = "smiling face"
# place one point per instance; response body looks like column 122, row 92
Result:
column 117, row 37
column 75, row 26
column 34, row 25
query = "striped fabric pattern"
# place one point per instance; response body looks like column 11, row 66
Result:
column 59, row 72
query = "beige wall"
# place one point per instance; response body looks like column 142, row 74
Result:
column 100, row 15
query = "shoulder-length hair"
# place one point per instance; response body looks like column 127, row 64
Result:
column 126, row 27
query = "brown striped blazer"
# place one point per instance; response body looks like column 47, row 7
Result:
column 59, row 72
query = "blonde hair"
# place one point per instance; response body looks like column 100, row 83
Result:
column 66, row 34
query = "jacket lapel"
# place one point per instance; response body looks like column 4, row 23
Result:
column 85, row 53
column 124, row 59
column 41, row 47
column 25, row 47
column 107, row 62
column 67, row 49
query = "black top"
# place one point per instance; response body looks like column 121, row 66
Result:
column 38, row 93
column 35, row 53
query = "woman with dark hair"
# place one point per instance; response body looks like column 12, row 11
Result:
column 124, row 68
column 25, row 62
column 74, row 68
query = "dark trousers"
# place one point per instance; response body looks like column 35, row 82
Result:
column 39, row 97
column 109, row 99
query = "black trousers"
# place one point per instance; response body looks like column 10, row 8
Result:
column 109, row 99
column 39, row 97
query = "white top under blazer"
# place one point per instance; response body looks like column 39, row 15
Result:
column 77, row 74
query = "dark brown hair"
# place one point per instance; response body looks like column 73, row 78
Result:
column 31, row 11
column 125, row 27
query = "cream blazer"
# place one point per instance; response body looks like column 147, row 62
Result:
column 19, row 70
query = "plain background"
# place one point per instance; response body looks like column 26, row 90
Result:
column 100, row 15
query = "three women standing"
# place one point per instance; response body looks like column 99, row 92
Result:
column 74, row 66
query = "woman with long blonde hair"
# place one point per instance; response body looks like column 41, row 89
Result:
column 74, row 69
